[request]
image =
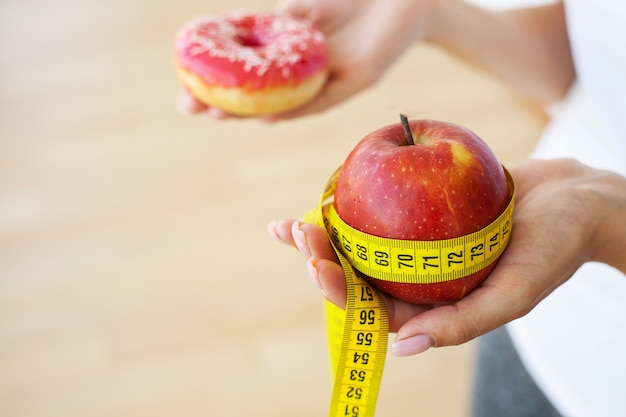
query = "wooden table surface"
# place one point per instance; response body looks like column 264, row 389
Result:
column 136, row 274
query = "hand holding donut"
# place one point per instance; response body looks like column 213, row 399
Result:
column 250, row 64
column 360, row 49
column 365, row 38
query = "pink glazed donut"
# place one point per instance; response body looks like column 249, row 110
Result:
column 251, row 64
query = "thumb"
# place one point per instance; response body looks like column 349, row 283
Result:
column 319, row 14
column 336, row 91
column 506, row 295
column 301, row 9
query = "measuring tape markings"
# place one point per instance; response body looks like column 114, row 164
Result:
column 360, row 363
column 358, row 336
column 419, row 262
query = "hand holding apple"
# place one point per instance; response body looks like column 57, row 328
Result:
column 554, row 235
column 422, row 180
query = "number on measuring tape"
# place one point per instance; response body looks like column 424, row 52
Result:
column 382, row 258
column 366, row 293
column 367, row 317
column 352, row 410
column 361, row 359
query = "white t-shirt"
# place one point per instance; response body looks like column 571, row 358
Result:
column 574, row 342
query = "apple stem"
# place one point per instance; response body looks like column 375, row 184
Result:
column 407, row 129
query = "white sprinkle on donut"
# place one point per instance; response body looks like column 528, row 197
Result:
column 282, row 40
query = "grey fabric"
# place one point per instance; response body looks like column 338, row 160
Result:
column 502, row 386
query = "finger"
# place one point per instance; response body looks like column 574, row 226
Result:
column 281, row 231
column 217, row 114
column 508, row 293
column 309, row 239
column 313, row 241
column 333, row 93
column 330, row 279
column 188, row 104
column 299, row 9
column 316, row 14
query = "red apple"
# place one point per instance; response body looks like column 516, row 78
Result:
column 422, row 180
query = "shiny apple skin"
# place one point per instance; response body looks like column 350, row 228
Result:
column 447, row 184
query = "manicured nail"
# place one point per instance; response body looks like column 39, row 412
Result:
column 300, row 239
column 271, row 229
column 412, row 345
column 182, row 107
column 314, row 273
column 216, row 114
column 185, row 103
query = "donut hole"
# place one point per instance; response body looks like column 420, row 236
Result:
column 250, row 40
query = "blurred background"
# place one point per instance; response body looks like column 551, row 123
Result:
column 136, row 274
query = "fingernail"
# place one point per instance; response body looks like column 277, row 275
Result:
column 182, row 108
column 412, row 345
column 300, row 239
column 185, row 104
column 314, row 273
column 271, row 229
column 216, row 114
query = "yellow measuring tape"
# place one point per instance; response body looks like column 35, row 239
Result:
column 358, row 336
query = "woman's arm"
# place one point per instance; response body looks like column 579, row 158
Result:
column 528, row 48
